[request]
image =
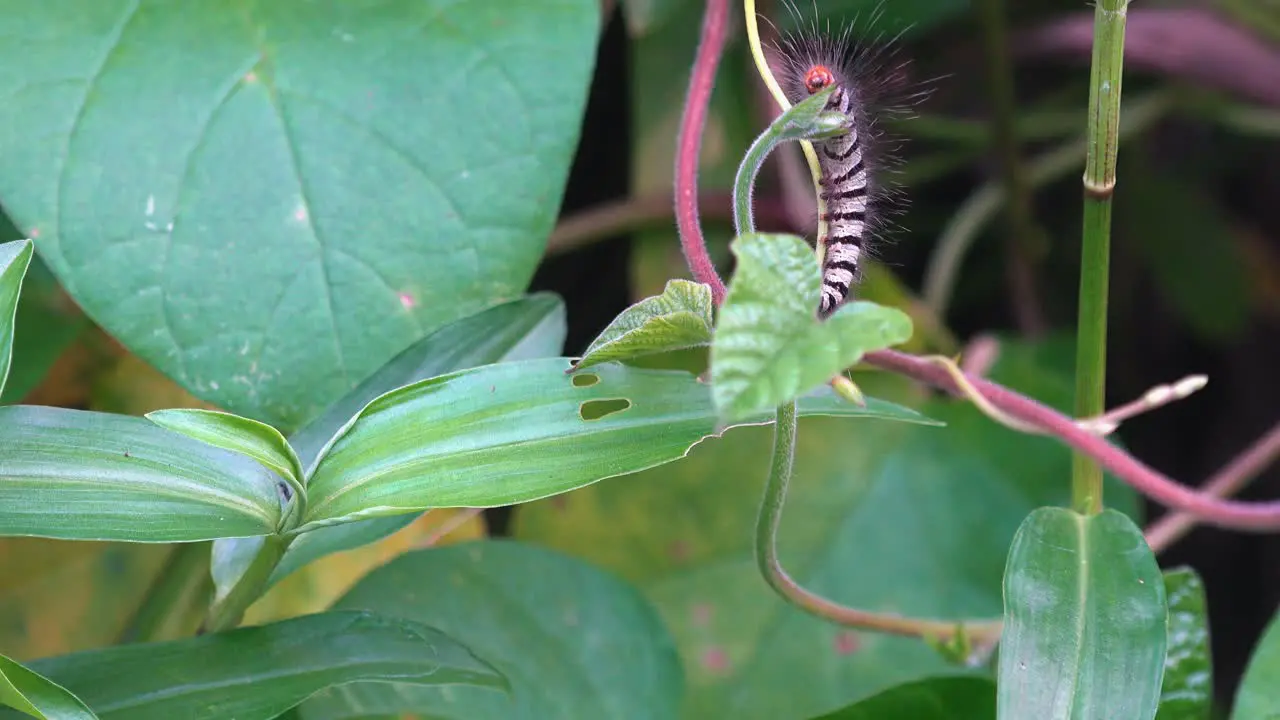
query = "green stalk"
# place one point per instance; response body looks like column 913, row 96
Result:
column 1099, row 184
column 775, row 496
column 227, row 613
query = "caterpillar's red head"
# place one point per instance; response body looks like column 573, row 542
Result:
column 818, row 78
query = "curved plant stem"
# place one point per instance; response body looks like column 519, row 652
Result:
column 689, row 144
column 227, row 613
column 1229, row 480
column 1099, row 185
column 770, row 517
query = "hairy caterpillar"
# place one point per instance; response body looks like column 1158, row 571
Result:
column 867, row 88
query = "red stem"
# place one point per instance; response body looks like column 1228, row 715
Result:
column 689, row 145
column 1263, row 516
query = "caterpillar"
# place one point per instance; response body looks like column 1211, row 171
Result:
column 866, row 89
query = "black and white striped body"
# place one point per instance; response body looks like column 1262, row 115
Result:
column 845, row 193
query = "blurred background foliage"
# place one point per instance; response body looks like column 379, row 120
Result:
column 888, row 516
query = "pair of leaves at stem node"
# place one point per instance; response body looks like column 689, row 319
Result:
column 768, row 347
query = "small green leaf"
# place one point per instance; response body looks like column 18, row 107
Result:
column 514, row 432
column 574, row 641
column 1085, row 620
column 678, row 318
column 14, row 258
column 945, row 698
column 241, row 435
column 257, row 673
column 1187, row 692
column 769, row 346
column 1257, row 698
column 80, row 475
column 37, row 696
column 531, row 327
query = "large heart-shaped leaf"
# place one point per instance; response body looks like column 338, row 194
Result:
column 1085, row 620
column 38, row 696
column 513, row 432
column 268, row 201
column 14, row 259
column 769, row 346
column 573, row 641
column 258, row 673
column 94, row 476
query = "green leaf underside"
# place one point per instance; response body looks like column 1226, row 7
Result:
column 312, row 187
column 769, row 346
column 14, row 259
column 948, row 698
column 37, row 696
column 247, row 437
column 1187, row 691
column 531, row 327
column 1085, row 620
column 80, row 475
column 1256, row 699
column 681, row 317
column 257, row 673
column 514, row 432
column 573, row 641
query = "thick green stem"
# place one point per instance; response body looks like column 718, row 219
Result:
column 227, row 612
column 1099, row 183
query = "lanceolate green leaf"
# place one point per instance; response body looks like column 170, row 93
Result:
column 948, row 698
column 14, row 259
column 574, row 641
column 312, row 186
column 1084, row 624
column 94, row 476
column 257, row 673
column 1187, row 692
column 678, row 318
column 514, row 432
column 532, row 327
column 240, row 435
column 769, row 346
column 37, row 696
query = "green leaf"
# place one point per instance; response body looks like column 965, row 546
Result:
column 1257, row 699
column 313, row 186
column 678, row 318
column 531, row 327
column 573, row 641
column 250, row 438
column 514, row 432
column 1085, row 620
column 946, row 698
column 769, row 346
column 260, row 672
column 883, row 516
column 14, row 258
column 37, row 696
column 46, row 324
column 80, row 475
column 1187, row 691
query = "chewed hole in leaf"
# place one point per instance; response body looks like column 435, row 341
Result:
column 585, row 380
column 596, row 409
